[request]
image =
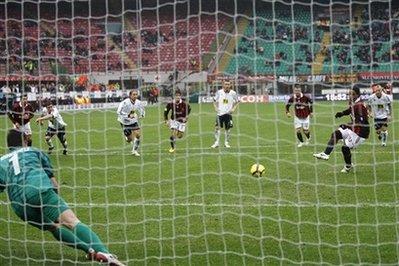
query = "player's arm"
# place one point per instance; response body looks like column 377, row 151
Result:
column 216, row 101
column 369, row 107
column 343, row 113
column 55, row 184
column 10, row 115
column 369, row 110
column 166, row 112
column 310, row 102
column 44, row 117
column 288, row 105
column 235, row 104
column 2, row 179
column 120, row 112
column 122, row 115
column 188, row 111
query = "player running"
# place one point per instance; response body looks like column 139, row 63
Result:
column 225, row 103
column 21, row 114
column 353, row 134
column 129, row 112
column 56, row 126
column 379, row 107
column 303, row 113
column 178, row 118
column 27, row 175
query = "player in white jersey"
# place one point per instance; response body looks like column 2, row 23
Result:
column 129, row 112
column 225, row 103
column 379, row 106
column 56, row 126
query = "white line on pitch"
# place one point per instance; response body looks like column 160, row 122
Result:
column 249, row 204
column 208, row 151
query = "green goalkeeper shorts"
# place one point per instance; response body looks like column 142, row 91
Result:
column 41, row 211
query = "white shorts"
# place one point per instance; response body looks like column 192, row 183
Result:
column 176, row 125
column 302, row 123
column 25, row 129
column 350, row 138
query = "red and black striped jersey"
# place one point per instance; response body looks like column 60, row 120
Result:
column 180, row 111
column 302, row 105
column 21, row 114
column 359, row 116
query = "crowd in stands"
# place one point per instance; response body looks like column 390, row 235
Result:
column 57, row 43
column 368, row 43
column 80, row 44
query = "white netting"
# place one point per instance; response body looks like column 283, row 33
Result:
column 200, row 205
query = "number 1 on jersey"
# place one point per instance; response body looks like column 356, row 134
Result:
column 15, row 164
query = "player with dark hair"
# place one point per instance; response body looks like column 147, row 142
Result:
column 225, row 103
column 179, row 114
column 27, row 175
column 20, row 115
column 303, row 113
column 352, row 134
column 56, row 126
column 379, row 107
column 129, row 111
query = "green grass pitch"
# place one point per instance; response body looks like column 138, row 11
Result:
column 201, row 206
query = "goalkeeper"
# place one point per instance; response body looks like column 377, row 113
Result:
column 27, row 175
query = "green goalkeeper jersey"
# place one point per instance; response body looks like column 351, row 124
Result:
column 25, row 173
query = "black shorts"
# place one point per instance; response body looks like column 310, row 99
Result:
column 225, row 121
column 127, row 129
column 60, row 132
column 380, row 122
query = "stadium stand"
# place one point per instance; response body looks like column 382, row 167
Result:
column 285, row 45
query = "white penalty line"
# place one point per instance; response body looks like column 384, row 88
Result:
column 254, row 150
column 244, row 205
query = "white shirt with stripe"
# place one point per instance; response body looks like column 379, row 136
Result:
column 129, row 112
column 380, row 105
column 225, row 101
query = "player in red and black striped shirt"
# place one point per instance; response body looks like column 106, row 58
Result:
column 20, row 115
column 353, row 134
column 178, row 118
column 303, row 112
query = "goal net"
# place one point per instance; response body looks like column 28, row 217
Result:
column 193, row 200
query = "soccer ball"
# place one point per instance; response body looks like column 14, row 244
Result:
column 257, row 170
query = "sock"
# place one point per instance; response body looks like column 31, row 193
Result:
column 384, row 135
column 63, row 141
column 333, row 140
column 217, row 135
column 64, row 144
column 50, row 143
column 136, row 144
column 172, row 142
column 299, row 136
column 68, row 238
column 379, row 134
column 84, row 233
column 347, row 156
column 227, row 135
column 307, row 134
